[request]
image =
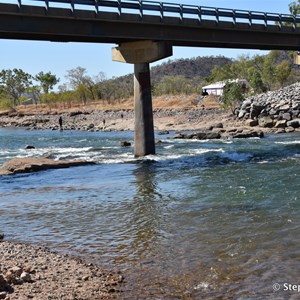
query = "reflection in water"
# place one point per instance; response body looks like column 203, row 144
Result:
column 146, row 212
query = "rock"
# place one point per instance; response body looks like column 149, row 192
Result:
column 163, row 132
column 289, row 129
column 284, row 107
column 247, row 103
column 180, row 136
column 75, row 113
column 27, row 165
column 293, row 123
column 248, row 134
column 3, row 295
column 218, row 125
column 280, row 124
column 251, row 122
column 1, row 236
column 204, row 135
column 296, row 105
column 29, row 147
column 3, row 282
column 280, row 130
column 25, row 277
column 125, row 144
column 286, row 116
column 265, row 122
column 241, row 114
column 255, row 110
column 273, row 112
column 16, row 271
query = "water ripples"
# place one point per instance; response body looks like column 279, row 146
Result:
column 204, row 219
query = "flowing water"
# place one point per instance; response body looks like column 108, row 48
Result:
column 215, row 219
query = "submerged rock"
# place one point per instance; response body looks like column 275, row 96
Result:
column 125, row 144
column 198, row 135
column 27, row 165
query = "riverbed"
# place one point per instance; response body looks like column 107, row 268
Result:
column 198, row 220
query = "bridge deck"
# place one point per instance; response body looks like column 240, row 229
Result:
column 117, row 21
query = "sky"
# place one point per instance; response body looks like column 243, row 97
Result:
column 36, row 56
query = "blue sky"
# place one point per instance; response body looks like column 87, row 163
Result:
column 33, row 56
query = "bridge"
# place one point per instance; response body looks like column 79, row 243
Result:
column 145, row 31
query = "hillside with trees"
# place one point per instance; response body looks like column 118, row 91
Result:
column 174, row 77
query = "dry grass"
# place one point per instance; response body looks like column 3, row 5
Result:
column 210, row 102
column 161, row 102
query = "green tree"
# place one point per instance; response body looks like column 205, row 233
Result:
column 47, row 81
column 255, row 80
column 232, row 95
column 85, row 86
column 13, row 83
column 294, row 7
column 282, row 72
column 173, row 85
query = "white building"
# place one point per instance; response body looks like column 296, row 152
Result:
column 218, row 87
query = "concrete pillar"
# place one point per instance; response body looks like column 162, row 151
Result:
column 140, row 54
column 144, row 143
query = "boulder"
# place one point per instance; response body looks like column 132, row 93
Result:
column 289, row 129
column 204, row 135
column 248, row 134
column 218, row 125
column 163, row 132
column 265, row 122
column 286, row 116
column 241, row 114
column 29, row 147
column 280, row 124
column 180, row 136
column 251, row 122
column 27, row 165
column 125, row 144
column 293, row 123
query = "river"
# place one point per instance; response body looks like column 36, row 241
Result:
column 216, row 219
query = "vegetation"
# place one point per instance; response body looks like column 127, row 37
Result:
column 178, row 77
column 233, row 95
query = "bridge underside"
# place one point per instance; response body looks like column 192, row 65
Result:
column 57, row 24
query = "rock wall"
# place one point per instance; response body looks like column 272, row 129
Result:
column 278, row 109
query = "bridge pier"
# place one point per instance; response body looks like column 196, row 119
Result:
column 141, row 54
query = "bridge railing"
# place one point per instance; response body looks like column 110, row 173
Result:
column 164, row 10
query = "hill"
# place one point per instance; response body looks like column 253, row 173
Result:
column 189, row 68
column 191, row 72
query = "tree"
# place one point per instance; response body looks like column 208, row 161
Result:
column 84, row 85
column 282, row 72
column 294, row 7
column 232, row 95
column 47, row 81
column 173, row 85
column 13, row 83
column 255, row 81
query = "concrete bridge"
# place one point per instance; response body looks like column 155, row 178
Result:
column 146, row 31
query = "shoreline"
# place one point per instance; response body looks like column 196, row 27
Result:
column 94, row 120
column 34, row 272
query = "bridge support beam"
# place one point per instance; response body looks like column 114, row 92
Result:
column 141, row 54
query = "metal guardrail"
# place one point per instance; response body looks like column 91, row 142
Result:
column 181, row 11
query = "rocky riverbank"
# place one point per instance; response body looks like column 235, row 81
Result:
column 28, row 272
column 275, row 112
column 279, row 109
column 108, row 120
